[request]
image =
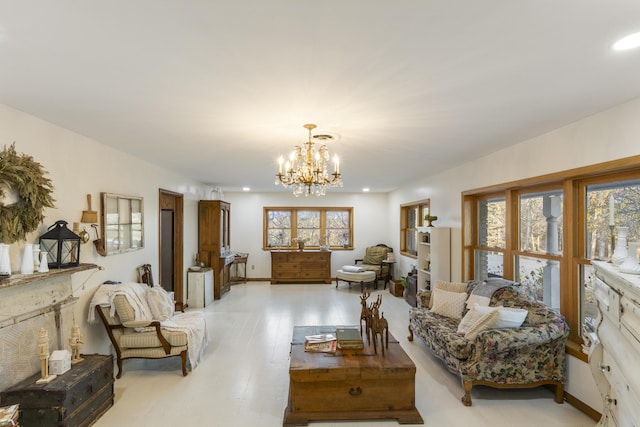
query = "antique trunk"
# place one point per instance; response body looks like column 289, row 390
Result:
column 350, row 385
column 76, row 398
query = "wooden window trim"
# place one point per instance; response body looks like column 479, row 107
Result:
column 294, row 220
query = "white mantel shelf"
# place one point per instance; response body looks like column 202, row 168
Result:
column 23, row 279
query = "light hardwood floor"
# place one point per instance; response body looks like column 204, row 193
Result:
column 243, row 380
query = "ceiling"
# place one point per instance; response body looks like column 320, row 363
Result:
column 217, row 90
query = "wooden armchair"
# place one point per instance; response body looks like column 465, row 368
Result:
column 373, row 260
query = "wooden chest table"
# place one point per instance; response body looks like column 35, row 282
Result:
column 76, row 398
column 350, row 384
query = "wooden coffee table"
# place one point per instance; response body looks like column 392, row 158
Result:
column 350, row 384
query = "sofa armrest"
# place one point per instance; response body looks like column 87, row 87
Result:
column 494, row 341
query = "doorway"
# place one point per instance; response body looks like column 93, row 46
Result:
column 171, row 245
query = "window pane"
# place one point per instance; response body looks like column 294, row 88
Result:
column 588, row 307
column 540, row 278
column 278, row 228
column 309, row 227
column 491, row 223
column 411, row 239
column 541, row 222
column 337, row 228
column 412, row 217
column 610, row 204
column 488, row 264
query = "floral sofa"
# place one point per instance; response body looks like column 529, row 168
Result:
column 527, row 356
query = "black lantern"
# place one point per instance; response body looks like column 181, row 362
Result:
column 62, row 246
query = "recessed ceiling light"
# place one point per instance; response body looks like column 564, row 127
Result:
column 628, row 42
column 246, row 189
column 365, row 189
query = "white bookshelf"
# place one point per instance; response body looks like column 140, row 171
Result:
column 434, row 255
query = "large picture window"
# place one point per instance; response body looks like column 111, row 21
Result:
column 543, row 233
column 316, row 227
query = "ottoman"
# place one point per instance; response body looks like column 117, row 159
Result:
column 361, row 277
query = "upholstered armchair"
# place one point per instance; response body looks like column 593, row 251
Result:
column 374, row 260
column 141, row 323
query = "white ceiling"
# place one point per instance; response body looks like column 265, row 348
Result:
column 216, row 90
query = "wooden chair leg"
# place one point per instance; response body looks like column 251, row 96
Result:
column 410, row 337
column 119, row 361
column 183, row 357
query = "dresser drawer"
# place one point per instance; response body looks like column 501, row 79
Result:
column 608, row 300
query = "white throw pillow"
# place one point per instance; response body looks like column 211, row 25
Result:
column 486, row 321
column 449, row 287
column 161, row 305
column 507, row 317
column 469, row 320
column 448, row 304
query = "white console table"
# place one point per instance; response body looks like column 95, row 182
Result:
column 615, row 358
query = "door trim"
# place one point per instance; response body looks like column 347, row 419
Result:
column 170, row 200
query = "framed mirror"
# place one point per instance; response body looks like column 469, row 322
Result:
column 122, row 223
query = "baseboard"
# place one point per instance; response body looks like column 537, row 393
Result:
column 581, row 406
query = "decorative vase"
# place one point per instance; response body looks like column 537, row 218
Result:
column 630, row 265
column 44, row 263
column 36, row 256
column 27, row 259
column 5, row 261
column 620, row 252
column 300, row 245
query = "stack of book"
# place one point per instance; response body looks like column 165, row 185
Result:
column 321, row 343
column 9, row 416
column 349, row 339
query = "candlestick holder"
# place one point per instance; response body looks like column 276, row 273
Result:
column 620, row 251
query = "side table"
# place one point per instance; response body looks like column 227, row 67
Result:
column 389, row 275
column 239, row 259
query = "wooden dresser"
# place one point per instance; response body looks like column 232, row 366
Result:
column 300, row 266
column 614, row 359
column 76, row 398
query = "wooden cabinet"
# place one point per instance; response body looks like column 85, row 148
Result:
column 76, row 398
column 214, row 241
column 434, row 255
column 614, row 358
column 300, row 266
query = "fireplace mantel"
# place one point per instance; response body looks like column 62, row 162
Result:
column 29, row 302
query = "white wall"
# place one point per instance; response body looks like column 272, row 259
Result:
column 610, row 135
column 370, row 224
column 78, row 166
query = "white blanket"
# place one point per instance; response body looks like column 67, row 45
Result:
column 192, row 323
column 352, row 269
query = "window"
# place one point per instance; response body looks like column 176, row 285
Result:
column 544, row 232
column 411, row 217
column 122, row 223
column 608, row 203
column 332, row 227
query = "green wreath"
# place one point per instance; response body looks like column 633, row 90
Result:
column 26, row 176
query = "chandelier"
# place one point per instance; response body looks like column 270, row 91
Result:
column 306, row 170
